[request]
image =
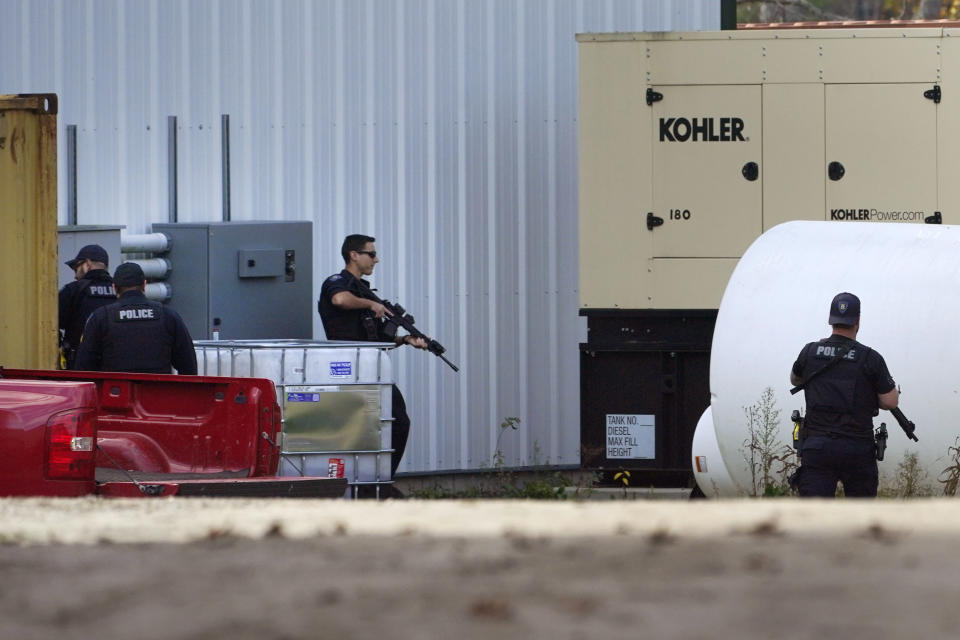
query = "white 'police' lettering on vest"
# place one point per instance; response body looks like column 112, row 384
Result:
column 135, row 314
column 826, row 351
column 100, row 290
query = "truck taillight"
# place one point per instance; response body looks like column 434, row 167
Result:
column 71, row 440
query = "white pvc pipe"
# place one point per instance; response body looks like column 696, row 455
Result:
column 159, row 291
column 144, row 243
column 154, row 268
column 777, row 300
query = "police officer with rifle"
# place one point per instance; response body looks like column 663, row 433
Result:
column 844, row 384
column 350, row 310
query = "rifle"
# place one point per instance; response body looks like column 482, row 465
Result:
column 907, row 426
column 400, row 318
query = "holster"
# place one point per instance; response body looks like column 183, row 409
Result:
column 799, row 435
column 799, row 431
column 880, row 440
column 793, row 480
column 68, row 355
column 369, row 325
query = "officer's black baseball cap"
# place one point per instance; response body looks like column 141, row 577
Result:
column 129, row 274
column 90, row 252
column 845, row 309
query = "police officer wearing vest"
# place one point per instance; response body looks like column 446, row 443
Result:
column 841, row 400
column 347, row 315
column 92, row 289
column 136, row 334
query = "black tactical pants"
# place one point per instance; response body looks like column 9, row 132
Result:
column 400, row 431
column 828, row 459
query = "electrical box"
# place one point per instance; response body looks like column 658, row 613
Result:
column 70, row 239
column 252, row 279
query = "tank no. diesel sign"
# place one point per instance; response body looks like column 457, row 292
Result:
column 631, row 436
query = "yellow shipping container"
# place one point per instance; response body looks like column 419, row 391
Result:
column 28, row 231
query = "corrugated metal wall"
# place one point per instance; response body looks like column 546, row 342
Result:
column 446, row 128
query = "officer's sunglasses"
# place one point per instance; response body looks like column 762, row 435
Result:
column 372, row 254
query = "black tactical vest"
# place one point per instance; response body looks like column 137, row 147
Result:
column 349, row 324
column 137, row 339
column 93, row 291
column 842, row 399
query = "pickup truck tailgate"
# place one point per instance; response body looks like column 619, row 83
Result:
column 186, row 435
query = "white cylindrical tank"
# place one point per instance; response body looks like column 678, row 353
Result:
column 708, row 466
column 907, row 277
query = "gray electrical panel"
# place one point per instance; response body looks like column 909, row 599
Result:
column 70, row 239
column 255, row 278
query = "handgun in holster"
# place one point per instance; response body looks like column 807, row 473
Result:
column 880, row 440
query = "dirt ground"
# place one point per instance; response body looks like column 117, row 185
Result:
column 179, row 568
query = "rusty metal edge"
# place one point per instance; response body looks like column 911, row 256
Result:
column 38, row 102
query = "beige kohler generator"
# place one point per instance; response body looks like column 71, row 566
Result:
column 693, row 144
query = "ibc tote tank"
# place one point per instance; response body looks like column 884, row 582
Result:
column 908, row 279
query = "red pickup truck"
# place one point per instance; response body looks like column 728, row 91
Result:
column 73, row 433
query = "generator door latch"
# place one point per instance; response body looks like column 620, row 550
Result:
column 750, row 171
column 669, row 383
column 290, row 265
column 835, row 170
column 653, row 96
column 653, row 221
column 936, row 218
column 933, row 94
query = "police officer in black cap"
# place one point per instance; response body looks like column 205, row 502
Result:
column 348, row 315
column 136, row 334
column 844, row 384
column 92, row 289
